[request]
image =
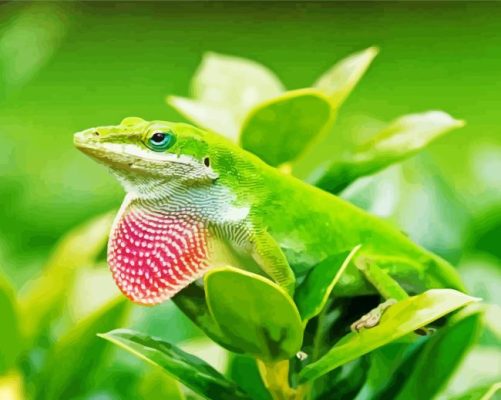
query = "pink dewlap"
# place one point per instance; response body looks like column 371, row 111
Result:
column 153, row 255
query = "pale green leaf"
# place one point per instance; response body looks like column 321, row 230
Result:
column 313, row 293
column 188, row 369
column 212, row 117
column 481, row 367
column 38, row 40
column 257, row 315
column 399, row 320
column 235, row 81
column 339, row 81
column 281, row 129
column 409, row 134
column 484, row 392
column 402, row 138
column 224, row 89
column 12, row 386
column 11, row 340
column 80, row 247
column 76, row 359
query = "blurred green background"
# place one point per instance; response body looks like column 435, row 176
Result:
column 69, row 66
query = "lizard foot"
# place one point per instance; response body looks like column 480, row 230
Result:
column 372, row 318
column 425, row 331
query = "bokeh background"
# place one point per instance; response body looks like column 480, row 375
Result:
column 69, row 66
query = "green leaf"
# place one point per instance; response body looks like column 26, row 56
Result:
column 441, row 356
column 156, row 385
column 339, row 81
column 45, row 296
column 484, row 392
column 435, row 358
column 390, row 366
column 399, row 320
column 74, row 362
column 224, row 89
column 11, row 340
column 282, row 128
column 312, row 295
column 188, row 369
column 255, row 313
column 191, row 301
column 343, row 386
column 402, row 138
column 244, row 371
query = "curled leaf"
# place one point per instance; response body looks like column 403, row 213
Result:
column 402, row 138
column 339, row 81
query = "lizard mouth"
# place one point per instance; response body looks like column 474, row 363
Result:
column 104, row 156
column 110, row 154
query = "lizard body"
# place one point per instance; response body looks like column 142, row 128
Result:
column 195, row 200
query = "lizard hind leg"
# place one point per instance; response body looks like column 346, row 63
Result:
column 372, row 318
column 388, row 288
column 385, row 285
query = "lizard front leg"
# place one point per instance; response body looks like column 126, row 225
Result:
column 269, row 256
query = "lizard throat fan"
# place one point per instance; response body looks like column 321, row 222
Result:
column 154, row 254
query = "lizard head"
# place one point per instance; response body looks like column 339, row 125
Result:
column 154, row 252
column 144, row 155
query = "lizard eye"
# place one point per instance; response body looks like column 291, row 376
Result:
column 161, row 141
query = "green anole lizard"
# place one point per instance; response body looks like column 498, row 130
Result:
column 195, row 200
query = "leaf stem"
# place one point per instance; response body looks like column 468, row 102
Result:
column 275, row 376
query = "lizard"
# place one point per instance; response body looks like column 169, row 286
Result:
column 195, row 200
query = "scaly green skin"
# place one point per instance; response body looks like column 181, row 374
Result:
column 265, row 220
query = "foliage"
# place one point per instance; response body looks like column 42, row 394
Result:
column 32, row 348
column 248, row 314
column 190, row 370
column 48, row 346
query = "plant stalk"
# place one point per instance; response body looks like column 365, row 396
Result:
column 275, row 376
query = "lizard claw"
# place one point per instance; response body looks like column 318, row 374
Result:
column 372, row 318
column 425, row 331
